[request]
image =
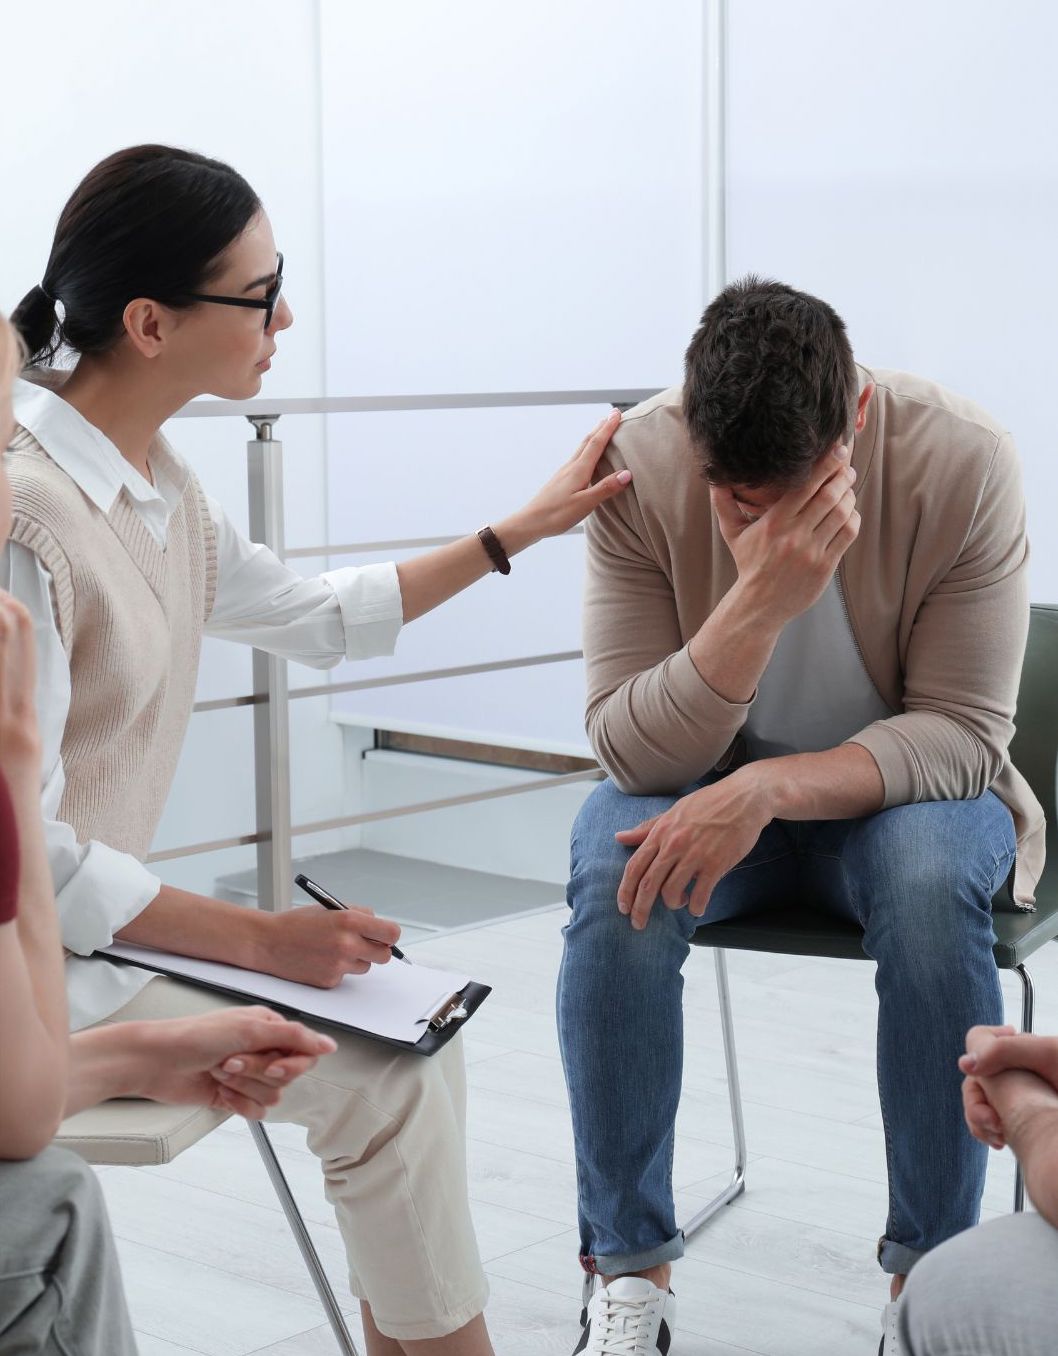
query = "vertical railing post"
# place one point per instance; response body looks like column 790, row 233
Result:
column 271, row 725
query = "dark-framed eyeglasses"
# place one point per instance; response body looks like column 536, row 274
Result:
column 267, row 303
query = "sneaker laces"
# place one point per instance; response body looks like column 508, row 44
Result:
column 617, row 1323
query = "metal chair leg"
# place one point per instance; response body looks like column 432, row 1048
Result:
column 1028, row 1012
column 734, row 1091
column 301, row 1236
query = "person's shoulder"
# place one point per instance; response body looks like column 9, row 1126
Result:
column 652, row 436
column 925, row 413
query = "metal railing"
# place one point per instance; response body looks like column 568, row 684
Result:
column 271, row 696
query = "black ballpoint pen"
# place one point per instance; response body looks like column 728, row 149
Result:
column 324, row 897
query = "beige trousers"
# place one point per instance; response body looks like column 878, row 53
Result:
column 388, row 1129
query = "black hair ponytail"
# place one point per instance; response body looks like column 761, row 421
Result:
column 37, row 321
column 149, row 221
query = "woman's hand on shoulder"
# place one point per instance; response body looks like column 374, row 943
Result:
column 570, row 495
column 19, row 732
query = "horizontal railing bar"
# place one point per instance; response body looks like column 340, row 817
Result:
column 395, row 680
column 377, row 816
column 477, row 400
column 351, row 548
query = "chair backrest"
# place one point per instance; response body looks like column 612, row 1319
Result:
column 1035, row 746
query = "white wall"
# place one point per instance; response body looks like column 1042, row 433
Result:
column 238, row 81
column 513, row 201
column 901, row 163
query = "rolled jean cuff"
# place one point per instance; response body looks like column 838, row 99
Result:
column 622, row 1264
column 896, row 1259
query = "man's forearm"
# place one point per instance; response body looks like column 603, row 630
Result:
column 195, row 925
column 841, row 783
column 732, row 647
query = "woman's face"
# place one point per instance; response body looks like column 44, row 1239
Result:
column 225, row 350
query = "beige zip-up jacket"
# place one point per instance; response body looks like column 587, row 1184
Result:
column 935, row 586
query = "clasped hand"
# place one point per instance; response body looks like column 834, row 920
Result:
column 1009, row 1079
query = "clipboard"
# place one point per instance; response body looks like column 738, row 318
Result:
column 440, row 1019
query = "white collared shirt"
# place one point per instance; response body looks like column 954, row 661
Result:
column 351, row 613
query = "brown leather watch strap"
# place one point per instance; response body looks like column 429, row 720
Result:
column 495, row 550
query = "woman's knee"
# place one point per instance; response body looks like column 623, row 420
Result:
column 986, row 1292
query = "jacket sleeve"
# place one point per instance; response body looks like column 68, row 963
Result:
column 654, row 723
column 964, row 658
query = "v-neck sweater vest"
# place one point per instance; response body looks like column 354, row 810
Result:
column 130, row 614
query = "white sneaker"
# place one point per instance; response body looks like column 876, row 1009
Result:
column 628, row 1317
column 890, row 1343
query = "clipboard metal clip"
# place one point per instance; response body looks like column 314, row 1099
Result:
column 451, row 1009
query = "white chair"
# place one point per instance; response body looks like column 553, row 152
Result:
column 137, row 1133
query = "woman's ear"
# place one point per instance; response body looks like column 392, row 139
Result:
column 147, row 325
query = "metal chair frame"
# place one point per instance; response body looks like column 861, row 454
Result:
column 302, row 1238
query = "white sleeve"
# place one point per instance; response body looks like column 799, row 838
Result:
column 97, row 889
column 351, row 613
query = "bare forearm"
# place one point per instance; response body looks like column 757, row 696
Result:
column 38, row 923
column 1026, row 1108
column 32, row 1058
column 195, row 925
column 429, row 580
column 108, row 1061
column 841, row 783
column 734, row 644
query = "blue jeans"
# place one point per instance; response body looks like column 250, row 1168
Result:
column 919, row 879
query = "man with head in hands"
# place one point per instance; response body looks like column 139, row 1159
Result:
column 804, row 628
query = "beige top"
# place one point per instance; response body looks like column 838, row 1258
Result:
column 935, row 587
column 130, row 614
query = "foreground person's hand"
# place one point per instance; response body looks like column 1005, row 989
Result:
column 238, row 1059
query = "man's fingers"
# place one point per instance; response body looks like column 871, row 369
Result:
column 633, row 837
column 728, row 514
column 648, row 891
column 829, row 465
column 633, row 873
column 674, row 888
column 701, row 894
column 844, row 535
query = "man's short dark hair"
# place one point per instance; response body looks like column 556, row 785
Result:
column 770, row 384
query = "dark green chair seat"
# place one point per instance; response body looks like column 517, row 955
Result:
column 803, row 931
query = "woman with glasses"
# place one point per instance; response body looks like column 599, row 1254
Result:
column 164, row 282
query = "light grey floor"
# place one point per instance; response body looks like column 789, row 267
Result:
column 416, row 893
column 787, row 1270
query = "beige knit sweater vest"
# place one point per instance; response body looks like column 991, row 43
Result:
column 130, row 615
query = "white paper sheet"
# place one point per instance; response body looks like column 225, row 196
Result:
column 392, row 1000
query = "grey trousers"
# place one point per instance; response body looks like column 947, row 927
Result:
column 60, row 1287
column 991, row 1291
